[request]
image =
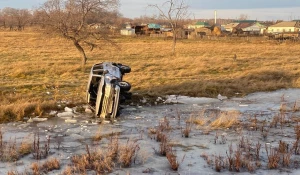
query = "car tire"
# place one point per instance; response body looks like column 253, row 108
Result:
column 125, row 69
column 124, row 85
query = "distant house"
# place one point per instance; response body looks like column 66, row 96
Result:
column 251, row 27
column 151, row 29
column 285, row 26
column 199, row 25
column 154, row 26
column 129, row 30
column 229, row 27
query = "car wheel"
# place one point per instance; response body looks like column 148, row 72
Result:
column 124, row 85
column 125, row 69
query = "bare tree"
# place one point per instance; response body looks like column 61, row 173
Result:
column 243, row 17
column 80, row 21
column 2, row 20
column 15, row 18
column 22, row 18
column 174, row 11
column 7, row 17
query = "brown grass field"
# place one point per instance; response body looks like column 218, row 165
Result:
column 37, row 70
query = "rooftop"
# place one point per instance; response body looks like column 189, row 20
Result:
column 202, row 24
column 244, row 21
column 244, row 25
column 285, row 24
column 153, row 26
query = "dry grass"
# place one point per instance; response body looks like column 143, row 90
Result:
column 51, row 164
column 226, row 119
column 25, row 147
column 172, row 158
column 128, row 153
column 38, row 68
column 8, row 150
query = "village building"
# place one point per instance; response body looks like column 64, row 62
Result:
column 128, row 30
column 285, row 26
column 253, row 28
column 198, row 25
column 143, row 29
column 229, row 27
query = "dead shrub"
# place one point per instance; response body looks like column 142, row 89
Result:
column 113, row 149
column 253, row 123
column 35, row 168
column 7, row 114
column 40, row 151
column 186, row 131
column 100, row 161
column 51, row 164
column 225, row 120
column 13, row 172
column 9, row 151
column 25, row 148
column 230, row 158
column 199, row 121
column 219, row 163
column 152, row 132
column 163, row 146
column 275, row 121
column 296, row 107
column 283, row 147
column 164, row 125
column 250, row 166
column 286, row 159
column 128, row 152
column 38, row 110
column 257, row 150
column 238, row 160
column 296, row 146
column 80, row 164
column 264, row 132
column 273, row 157
column 242, row 143
column 68, row 171
column 172, row 158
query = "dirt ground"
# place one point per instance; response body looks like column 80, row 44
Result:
column 219, row 131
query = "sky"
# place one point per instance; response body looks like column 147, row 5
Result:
column 254, row 9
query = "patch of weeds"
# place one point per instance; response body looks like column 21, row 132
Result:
column 35, row 168
column 219, row 163
column 172, row 158
column 40, row 151
column 25, row 148
column 296, row 107
column 273, row 157
column 186, row 131
column 9, row 151
column 128, row 152
column 225, row 120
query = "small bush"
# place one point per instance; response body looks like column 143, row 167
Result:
column 128, row 153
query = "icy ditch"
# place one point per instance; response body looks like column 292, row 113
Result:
column 69, row 133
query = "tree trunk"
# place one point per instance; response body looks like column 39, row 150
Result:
column 81, row 50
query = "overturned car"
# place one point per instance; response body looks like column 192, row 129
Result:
column 106, row 89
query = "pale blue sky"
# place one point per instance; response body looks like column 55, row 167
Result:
column 255, row 9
